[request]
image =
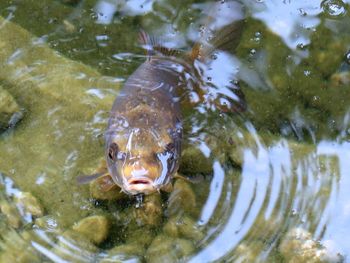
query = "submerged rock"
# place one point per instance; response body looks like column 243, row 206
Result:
column 11, row 213
column 167, row 249
column 15, row 248
column 182, row 199
column 75, row 247
column 10, row 112
column 298, row 246
column 122, row 253
column 146, row 214
column 142, row 237
column 29, row 204
column 184, row 227
column 193, row 161
column 43, row 79
column 340, row 79
column 47, row 223
column 93, row 228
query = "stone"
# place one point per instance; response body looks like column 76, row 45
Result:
column 10, row 112
column 29, row 204
column 182, row 199
column 11, row 213
column 298, row 246
column 167, row 249
column 94, row 228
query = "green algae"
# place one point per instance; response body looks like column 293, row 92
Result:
column 10, row 111
column 66, row 86
column 306, row 87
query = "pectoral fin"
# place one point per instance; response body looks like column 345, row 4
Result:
column 106, row 183
column 85, row 179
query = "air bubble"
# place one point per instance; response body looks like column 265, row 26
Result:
column 301, row 46
column 294, row 212
column 315, row 98
column 333, row 7
column 307, row 72
column 93, row 16
column 302, row 12
column 347, row 57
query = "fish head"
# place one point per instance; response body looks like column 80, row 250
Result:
column 143, row 160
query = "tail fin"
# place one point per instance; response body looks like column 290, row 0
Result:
column 221, row 28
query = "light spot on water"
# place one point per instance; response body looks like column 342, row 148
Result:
column 96, row 92
column 101, row 37
column 347, row 56
column 302, row 12
column 41, row 178
column 105, row 11
column 307, row 73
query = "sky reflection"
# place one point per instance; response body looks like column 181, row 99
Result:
column 291, row 20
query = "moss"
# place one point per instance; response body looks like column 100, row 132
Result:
column 93, row 228
column 165, row 249
column 182, row 199
column 194, row 162
column 16, row 249
column 10, row 112
column 29, row 204
column 11, row 213
column 58, row 109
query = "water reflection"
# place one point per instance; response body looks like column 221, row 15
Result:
column 293, row 21
column 282, row 186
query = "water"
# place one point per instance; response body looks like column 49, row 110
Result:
column 271, row 183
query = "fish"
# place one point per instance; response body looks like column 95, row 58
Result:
column 145, row 129
column 144, row 133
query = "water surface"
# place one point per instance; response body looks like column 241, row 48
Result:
column 279, row 168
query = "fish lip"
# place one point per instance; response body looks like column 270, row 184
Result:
column 140, row 180
column 140, row 185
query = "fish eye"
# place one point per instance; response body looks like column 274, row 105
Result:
column 170, row 147
column 114, row 154
column 112, row 150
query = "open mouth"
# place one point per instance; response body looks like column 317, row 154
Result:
column 139, row 181
column 140, row 185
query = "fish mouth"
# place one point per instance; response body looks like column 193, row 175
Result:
column 140, row 185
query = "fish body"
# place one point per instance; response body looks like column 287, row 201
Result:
column 143, row 138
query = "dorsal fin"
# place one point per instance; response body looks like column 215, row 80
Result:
column 154, row 47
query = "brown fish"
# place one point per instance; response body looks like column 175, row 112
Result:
column 143, row 138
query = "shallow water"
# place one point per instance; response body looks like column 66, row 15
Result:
column 276, row 176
